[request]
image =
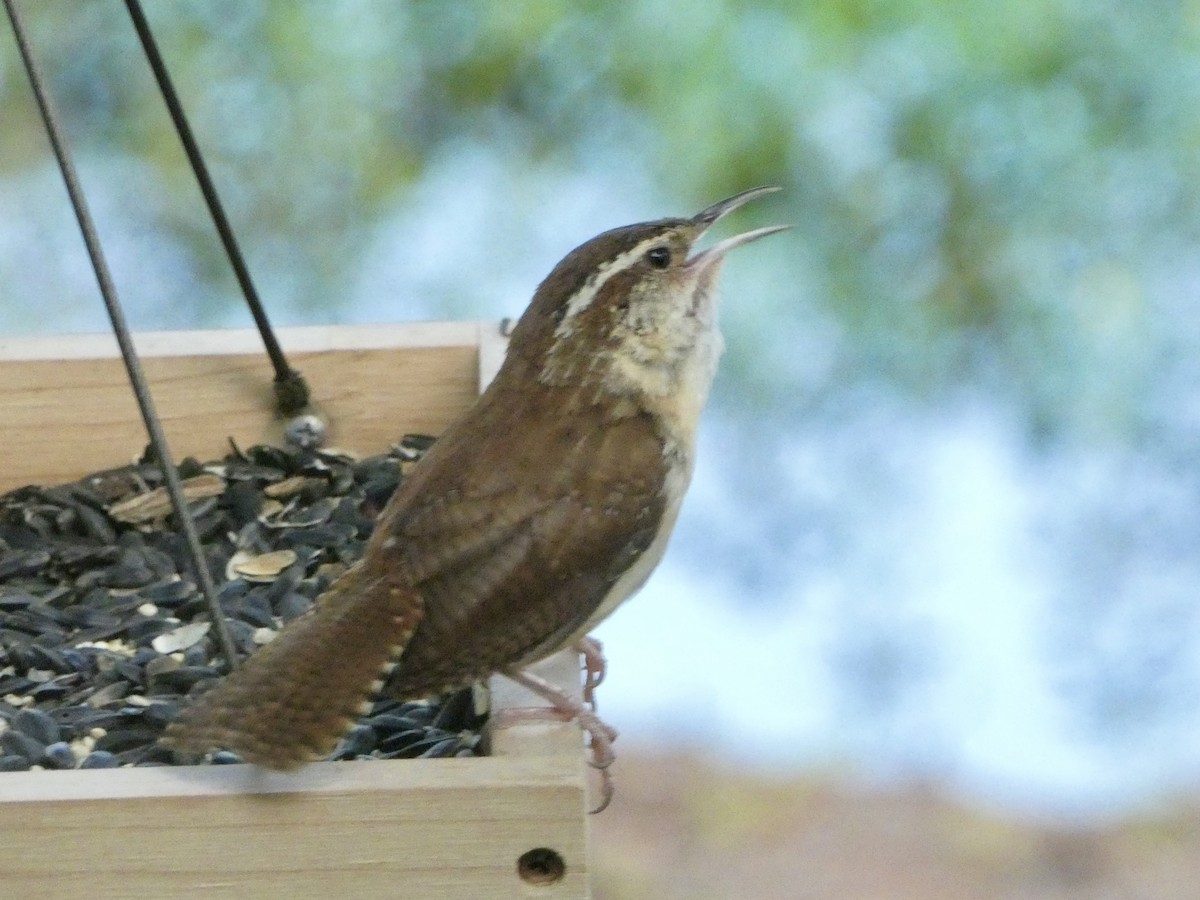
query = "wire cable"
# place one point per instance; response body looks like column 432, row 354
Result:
column 291, row 391
column 133, row 367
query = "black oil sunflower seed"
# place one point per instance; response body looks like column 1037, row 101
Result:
column 83, row 596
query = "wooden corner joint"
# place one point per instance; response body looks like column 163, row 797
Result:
column 521, row 735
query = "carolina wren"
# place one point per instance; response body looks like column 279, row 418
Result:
column 530, row 520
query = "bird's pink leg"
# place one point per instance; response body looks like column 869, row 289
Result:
column 565, row 707
column 594, row 667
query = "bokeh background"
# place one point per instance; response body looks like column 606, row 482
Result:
column 931, row 607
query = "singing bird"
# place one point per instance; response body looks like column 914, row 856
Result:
column 529, row 521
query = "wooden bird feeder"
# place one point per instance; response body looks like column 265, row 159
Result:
column 511, row 824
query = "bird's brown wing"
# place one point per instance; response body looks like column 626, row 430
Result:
column 292, row 700
column 511, row 564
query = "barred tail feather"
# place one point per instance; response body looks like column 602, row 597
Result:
column 291, row 701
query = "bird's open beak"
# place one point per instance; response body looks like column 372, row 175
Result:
column 706, row 218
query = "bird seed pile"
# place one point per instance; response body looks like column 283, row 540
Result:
column 103, row 632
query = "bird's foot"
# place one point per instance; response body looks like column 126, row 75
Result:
column 568, row 708
column 594, row 667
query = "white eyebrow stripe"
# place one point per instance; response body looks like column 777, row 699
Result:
column 591, row 287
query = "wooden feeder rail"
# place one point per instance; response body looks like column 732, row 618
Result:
column 512, row 824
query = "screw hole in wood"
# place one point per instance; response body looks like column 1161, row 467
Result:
column 541, row 865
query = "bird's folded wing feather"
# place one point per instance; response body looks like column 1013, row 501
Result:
column 501, row 590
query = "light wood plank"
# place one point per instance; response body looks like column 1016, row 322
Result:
column 434, row 829
column 215, row 342
column 67, row 417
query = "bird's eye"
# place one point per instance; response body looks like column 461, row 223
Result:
column 658, row 257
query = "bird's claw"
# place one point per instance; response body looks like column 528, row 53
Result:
column 568, row 708
column 594, row 667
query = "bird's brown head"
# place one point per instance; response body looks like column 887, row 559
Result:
column 631, row 309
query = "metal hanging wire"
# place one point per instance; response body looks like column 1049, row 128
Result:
column 291, row 391
column 133, row 367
